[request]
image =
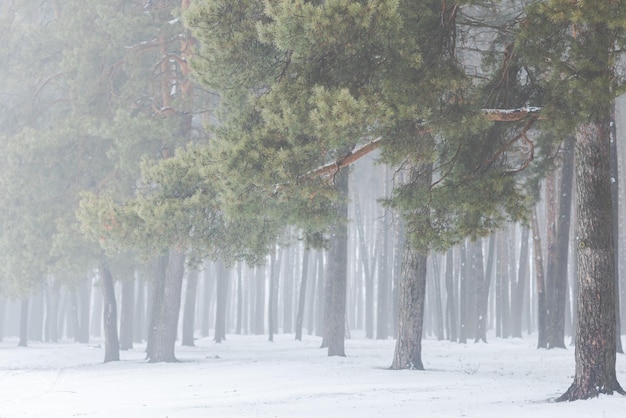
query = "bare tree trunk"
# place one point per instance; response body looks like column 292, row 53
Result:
column 408, row 352
column 221, row 302
column 111, row 341
column 336, row 280
column 163, row 348
column 595, row 334
column 126, row 314
column 615, row 212
column 302, row 294
column 24, row 323
column 519, row 294
column 189, row 311
column 450, row 299
column 542, row 315
column 412, row 292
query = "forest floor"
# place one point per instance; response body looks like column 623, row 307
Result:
column 247, row 376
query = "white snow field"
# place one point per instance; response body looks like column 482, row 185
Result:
column 247, row 376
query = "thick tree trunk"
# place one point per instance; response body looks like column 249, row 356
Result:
column 335, row 291
column 111, row 341
column 615, row 213
column 595, row 336
column 412, row 292
column 155, row 303
column 302, row 294
column 163, row 349
column 259, row 306
column 408, row 352
column 240, row 300
column 189, row 311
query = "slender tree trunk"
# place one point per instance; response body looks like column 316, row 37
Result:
column 240, row 299
column 595, row 334
column 450, row 299
column 369, row 281
column 272, row 304
column 437, row 295
column 24, row 323
column 167, row 324
column 111, row 341
column 126, row 314
column 140, row 309
column 481, row 279
column 259, row 316
column 302, row 294
column 463, row 296
column 517, row 302
column 558, row 279
column 542, row 315
column 189, row 311
column 335, row 291
column 223, row 279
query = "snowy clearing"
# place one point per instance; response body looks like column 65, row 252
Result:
column 247, row 376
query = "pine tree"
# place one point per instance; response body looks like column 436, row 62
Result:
column 571, row 47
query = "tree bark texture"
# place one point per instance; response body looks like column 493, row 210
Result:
column 595, row 335
column 408, row 351
column 412, row 292
column 542, row 314
column 163, row 349
column 111, row 341
column 336, row 280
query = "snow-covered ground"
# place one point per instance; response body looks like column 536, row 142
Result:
column 247, row 376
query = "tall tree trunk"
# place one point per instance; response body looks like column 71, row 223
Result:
column 223, row 279
column 127, row 321
column 336, row 280
column 189, row 311
column 542, row 308
column 519, row 296
column 464, row 295
column 111, row 341
column 140, row 310
column 156, row 302
column 481, row 280
column 272, row 304
column 408, row 351
column 24, row 323
column 302, row 294
column 615, row 213
column 558, row 293
column 167, row 323
column 369, row 280
column 259, row 314
column 240, row 299
column 412, row 292
column 437, row 295
column 450, row 299
column 595, row 334
column 384, row 277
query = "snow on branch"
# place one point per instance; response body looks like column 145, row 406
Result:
column 511, row 115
